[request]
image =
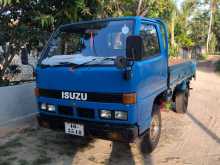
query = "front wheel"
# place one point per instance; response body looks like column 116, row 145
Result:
column 150, row 139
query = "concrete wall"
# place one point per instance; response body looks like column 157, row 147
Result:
column 16, row 103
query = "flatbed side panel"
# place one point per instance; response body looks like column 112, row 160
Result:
column 181, row 72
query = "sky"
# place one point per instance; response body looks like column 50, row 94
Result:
column 179, row 2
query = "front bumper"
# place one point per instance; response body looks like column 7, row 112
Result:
column 115, row 132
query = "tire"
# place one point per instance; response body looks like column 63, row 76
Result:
column 150, row 139
column 181, row 101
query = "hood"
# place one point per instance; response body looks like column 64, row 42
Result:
column 84, row 79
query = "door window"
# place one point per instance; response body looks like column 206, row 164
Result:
column 150, row 40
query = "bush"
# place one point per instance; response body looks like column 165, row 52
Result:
column 213, row 44
column 173, row 51
column 217, row 66
column 203, row 56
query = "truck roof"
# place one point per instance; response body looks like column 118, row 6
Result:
column 137, row 18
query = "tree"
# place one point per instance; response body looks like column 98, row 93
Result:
column 18, row 28
column 198, row 26
column 216, row 29
column 213, row 5
column 182, row 30
column 29, row 23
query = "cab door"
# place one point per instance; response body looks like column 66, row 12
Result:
column 153, row 70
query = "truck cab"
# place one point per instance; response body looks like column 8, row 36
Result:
column 105, row 78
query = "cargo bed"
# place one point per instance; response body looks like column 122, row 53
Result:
column 181, row 71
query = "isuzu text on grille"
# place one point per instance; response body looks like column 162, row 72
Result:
column 74, row 96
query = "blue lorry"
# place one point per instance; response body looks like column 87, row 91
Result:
column 108, row 78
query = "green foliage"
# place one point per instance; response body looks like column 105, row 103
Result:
column 8, row 2
column 213, row 44
column 46, row 20
column 184, row 41
column 168, row 105
column 216, row 28
column 173, row 51
column 203, row 56
column 198, row 26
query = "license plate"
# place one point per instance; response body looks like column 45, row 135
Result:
column 74, row 129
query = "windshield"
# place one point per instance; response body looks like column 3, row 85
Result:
column 96, row 39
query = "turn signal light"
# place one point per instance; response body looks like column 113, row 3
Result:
column 129, row 98
column 37, row 92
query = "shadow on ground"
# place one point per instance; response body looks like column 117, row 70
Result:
column 204, row 128
column 208, row 65
column 122, row 154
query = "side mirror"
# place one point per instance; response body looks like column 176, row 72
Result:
column 24, row 56
column 134, row 48
column 121, row 62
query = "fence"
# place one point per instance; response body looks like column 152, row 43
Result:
column 17, row 102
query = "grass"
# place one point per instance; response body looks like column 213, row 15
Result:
column 42, row 159
column 5, row 162
column 11, row 144
column 6, row 153
column 30, row 132
column 168, row 106
column 8, row 161
column 5, row 149
column 23, row 162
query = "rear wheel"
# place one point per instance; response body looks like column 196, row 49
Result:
column 150, row 139
column 181, row 101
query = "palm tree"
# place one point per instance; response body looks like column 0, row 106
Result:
column 213, row 6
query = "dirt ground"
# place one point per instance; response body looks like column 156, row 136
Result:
column 193, row 138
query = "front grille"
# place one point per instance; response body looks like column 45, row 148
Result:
column 65, row 110
column 91, row 96
column 86, row 113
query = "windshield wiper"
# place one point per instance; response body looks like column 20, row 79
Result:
column 83, row 64
column 59, row 65
column 108, row 58
column 69, row 64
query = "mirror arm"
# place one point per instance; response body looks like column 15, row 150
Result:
column 128, row 70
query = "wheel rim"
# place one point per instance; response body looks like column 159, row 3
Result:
column 155, row 128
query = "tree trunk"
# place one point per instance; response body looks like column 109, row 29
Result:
column 138, row 11
column 7, row 63
column 210, row 25
column 209, row 30
column 172, row 27
column 9, row 55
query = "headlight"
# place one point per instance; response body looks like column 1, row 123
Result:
column 105, row 114
column 43, row 106
column 51, row 108
column 121, row 115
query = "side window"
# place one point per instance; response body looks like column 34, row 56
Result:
column 150, row 39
